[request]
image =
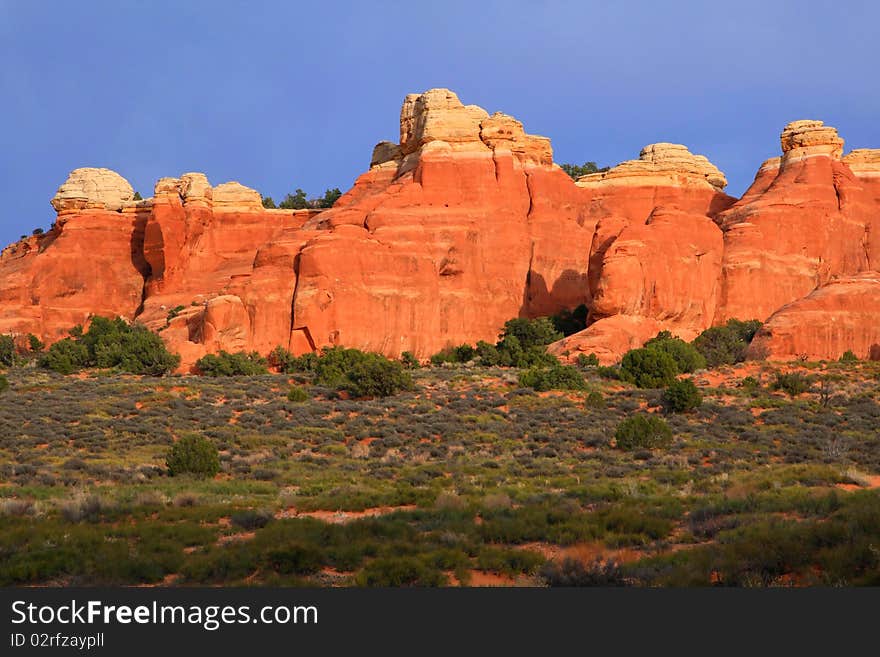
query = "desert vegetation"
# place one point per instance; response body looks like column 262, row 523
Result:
column 491, row 464
column 464, row 473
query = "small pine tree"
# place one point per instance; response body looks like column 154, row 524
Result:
column 681, row 396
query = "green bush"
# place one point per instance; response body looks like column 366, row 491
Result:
column 569, row 322
column 726, row 345
column 583, row 360
column 529, row 332
column 648, row 368
column 297, row 394
column 750, row 384
column 572, row 572
column 409, row 361
column 111, row 343
column 849, row 357
column 681, row 396
column 555, row 377
column 460, row 354
column 7, row 351
column 194, row 455
column 330, row 197
column 400, row 571
column 237, row 364
column 578, row 170
column 609, row 372
column 252, row 519
column 65, row 356
column 34, row 343
column 295, row 559
column 268, row 202
column 793, row 383
column 643, row 432
column 373, row 375
column 595, row 400
column 687, row 358
column 295, row 201
column 4, row 384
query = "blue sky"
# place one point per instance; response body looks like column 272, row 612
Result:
column 279, row 95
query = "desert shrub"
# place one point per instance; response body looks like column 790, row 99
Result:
column 4, row 384
column 643, row 432
column 530, row 332
column 488, row 354
column 608, row 372
column 297, row 394
column 111, row 343
column 7, row 351
column 409, row 361
column 460, row 354
column 496, row 502
column 295, row 559
column 591, row 360
column 15, row 507
column 792, row 383
column 508, row 561
column 648, row 368
column 251, row 519
column 65, row 356
column 726, row 345
column 185, row 500
column 84, row 507
column 750, row 384
column 236, row 364
column 595, row 400
column 400, row 571
column 268, row 202
column 569, row 322
column 681, row 396
column 572, row 572
column 849, row 357
column 194, row 455
column 522, row 343
column 687, row 358
column 34, row 343
column 556, row 377
column 373, row 375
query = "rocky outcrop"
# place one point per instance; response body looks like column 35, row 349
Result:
column 201, row 243
column 461, row 225
column 90, row 188
column 843, row 315
column 467, row 212
column 661, row 165
column 656, row 255
column 90, row 262
column 805, row 220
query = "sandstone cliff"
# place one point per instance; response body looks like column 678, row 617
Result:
column 461, row 225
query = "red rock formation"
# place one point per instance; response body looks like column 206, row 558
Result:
column 840, row 316
column 803, row 221
column 201, row 244
column 89, row 263
column 463, row 224
column 656, row 256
